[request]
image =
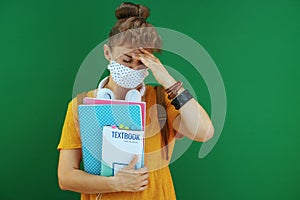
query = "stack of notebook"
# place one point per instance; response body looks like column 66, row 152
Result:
column 111, row 132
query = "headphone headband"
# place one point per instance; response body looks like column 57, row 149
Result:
column 132, row 95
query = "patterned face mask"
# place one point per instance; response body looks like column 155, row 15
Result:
column 125, row 76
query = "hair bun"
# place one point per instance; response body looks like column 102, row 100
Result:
column 127, row 9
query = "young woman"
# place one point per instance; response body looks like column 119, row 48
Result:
column 130, row 54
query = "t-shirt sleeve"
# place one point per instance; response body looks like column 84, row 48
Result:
column 70, row 137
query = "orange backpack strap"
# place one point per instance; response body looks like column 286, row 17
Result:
column 162, row 117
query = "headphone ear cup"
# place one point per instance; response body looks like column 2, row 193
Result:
column 105, row 93
column 133, row 95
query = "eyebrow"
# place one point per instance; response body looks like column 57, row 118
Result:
column 127, row 55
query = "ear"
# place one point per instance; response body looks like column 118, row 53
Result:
column 107, row 52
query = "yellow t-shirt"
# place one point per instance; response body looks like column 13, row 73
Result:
column 160, row 184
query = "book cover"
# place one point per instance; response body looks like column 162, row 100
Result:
column 92, row 119
column 119, row 147
column 90, row 100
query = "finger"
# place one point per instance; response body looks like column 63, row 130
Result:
column 146, row 52
column 132, row 162
column 144, row 183
column 142, row 170
column 147, row 58
column 145, row 177
column 142, row 58
column 138, row 56
column 143, row 188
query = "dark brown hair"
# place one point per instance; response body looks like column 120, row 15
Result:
column 133, row 29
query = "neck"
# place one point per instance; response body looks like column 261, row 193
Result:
column 118, row 91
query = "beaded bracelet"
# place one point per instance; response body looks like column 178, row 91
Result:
column 181, row 99
column 172, row 91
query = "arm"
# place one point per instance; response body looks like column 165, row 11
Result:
column 70, row 177
column 193, row 120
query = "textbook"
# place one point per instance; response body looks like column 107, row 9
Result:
column 92, row 119
column 90, row 100
column 118, row 148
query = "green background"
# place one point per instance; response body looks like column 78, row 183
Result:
column 255, row 45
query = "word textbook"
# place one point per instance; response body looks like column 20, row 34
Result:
column 118, row 148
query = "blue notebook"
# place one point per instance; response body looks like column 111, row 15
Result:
column 92, row 119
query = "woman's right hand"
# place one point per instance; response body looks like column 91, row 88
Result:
column 131, row 180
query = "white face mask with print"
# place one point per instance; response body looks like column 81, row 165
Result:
column 125, row 76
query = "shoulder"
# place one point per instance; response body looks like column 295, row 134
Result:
column 89, row 93
column 78, row 99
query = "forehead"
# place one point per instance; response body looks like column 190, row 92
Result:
column 118, row 51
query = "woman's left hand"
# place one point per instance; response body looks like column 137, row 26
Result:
column 159, row 71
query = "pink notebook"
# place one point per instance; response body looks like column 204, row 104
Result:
column 90, row 100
